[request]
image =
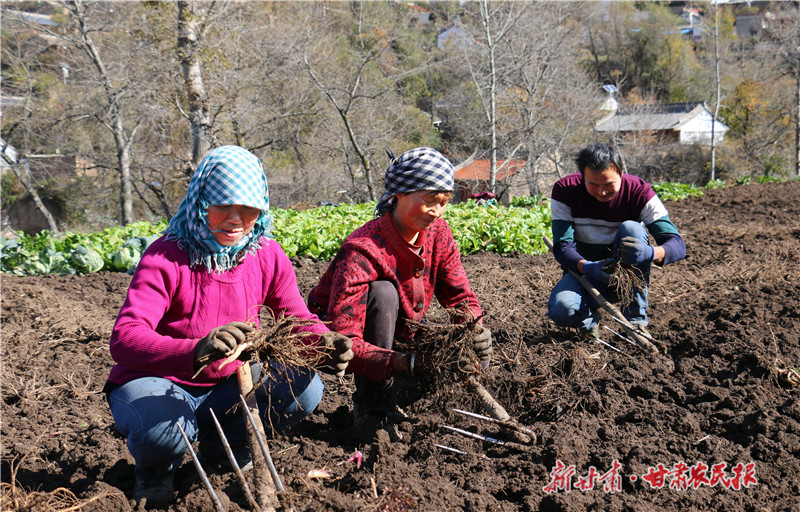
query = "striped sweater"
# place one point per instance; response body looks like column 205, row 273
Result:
column 584, row 228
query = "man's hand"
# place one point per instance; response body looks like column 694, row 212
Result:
column 634, row 251
column 339, row 353
column 482, row 345
column 219, row 342
column 597, row 269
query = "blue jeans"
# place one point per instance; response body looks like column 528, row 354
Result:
column 146, row 410
column 570, row 305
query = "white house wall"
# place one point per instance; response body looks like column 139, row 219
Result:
column 698, row 130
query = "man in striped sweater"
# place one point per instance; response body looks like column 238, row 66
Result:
column 599, row 212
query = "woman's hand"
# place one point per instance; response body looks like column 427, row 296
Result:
column 220, row 342
column 339, row 353
column 482, row 345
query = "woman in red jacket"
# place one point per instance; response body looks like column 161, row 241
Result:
column 387, row 271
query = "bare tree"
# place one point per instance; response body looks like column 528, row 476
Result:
column 344, row 106
column 786, row 32
column 755, row 102
column 551, row 96
column 17, row 56
column 359, row 84
column 488, row 64
column 193, row 19
column 22, row 170
column 116, row 95
column 717, row 93
column 261, row 98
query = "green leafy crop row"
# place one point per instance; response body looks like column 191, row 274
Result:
column 315, row 233
column 319, row 232
column 676, row 191
column 115, row 249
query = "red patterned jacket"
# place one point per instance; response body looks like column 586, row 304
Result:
column 375, row 251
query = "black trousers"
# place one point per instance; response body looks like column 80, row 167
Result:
column 383, row 306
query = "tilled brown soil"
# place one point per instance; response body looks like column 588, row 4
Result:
column 728, row 318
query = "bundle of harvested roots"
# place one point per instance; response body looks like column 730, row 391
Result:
column 281, row 343
column 625, row 281
column 447, row 348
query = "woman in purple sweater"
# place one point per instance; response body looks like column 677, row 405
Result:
column 196, row 293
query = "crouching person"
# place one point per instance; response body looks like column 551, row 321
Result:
column 387, row 272
column 194, row 297
column 599, row 214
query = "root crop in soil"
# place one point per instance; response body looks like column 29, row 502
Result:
column 280, row 341
column 14, row 498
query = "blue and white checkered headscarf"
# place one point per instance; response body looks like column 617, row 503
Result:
column 416, row 169
column 227, row 175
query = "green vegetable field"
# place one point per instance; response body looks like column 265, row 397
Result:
column 315, row 233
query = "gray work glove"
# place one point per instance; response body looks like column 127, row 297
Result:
column 482, row 345
column 220, row 341
column 339, row 353
column 635, row 252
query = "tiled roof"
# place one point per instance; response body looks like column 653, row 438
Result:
column 668, row 116
column 478, row 170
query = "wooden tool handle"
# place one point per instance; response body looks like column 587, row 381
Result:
column 266, row 493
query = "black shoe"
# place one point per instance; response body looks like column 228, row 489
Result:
column 366, row 422
column 154, row 490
